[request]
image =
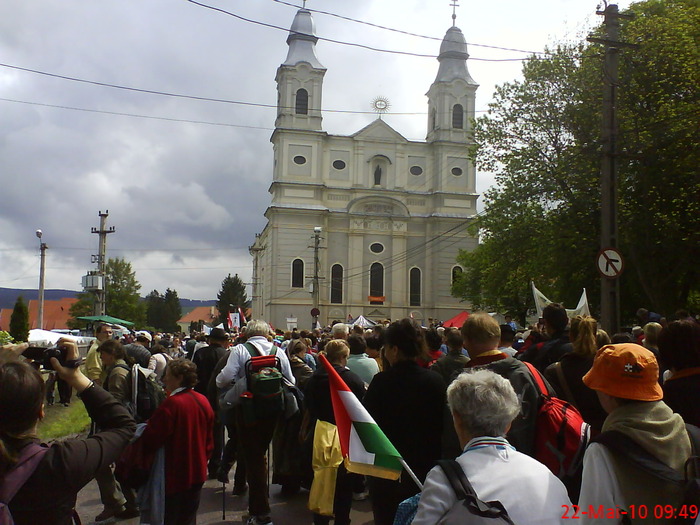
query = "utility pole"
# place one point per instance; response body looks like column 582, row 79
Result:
column 610, row 287
column 100, row 259
column 317, row 266
column 42, row 274
column 255, row 250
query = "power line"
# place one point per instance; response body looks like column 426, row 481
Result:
column 134, row 115
column 408, row 33
column 352, row 44
column 176, row 95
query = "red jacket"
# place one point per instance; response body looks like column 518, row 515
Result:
column 184, row 425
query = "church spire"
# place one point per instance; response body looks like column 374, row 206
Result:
column 300, row 78
column 451, row 96
column 302, row 41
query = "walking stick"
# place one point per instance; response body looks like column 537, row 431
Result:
column 223, row 484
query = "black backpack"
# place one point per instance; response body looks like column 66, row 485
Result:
column 625, row 447
column 145, row 394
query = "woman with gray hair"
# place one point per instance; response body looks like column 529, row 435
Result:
column 483, row 405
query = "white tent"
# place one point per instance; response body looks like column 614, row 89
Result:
column 40, row 338
column 363, row 322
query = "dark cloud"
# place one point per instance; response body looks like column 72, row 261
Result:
column 187, row 199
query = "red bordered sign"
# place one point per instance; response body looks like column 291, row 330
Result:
column 610, row 263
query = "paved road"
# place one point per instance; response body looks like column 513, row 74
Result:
column 285, row 510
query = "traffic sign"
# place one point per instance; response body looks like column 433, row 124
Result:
column 610, row 263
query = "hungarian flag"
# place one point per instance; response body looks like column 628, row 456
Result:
column 365, row 447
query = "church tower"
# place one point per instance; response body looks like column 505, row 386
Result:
column 300, row 78
column 451, row 97
column 369, row 223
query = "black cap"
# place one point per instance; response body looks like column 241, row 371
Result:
column 218, row 334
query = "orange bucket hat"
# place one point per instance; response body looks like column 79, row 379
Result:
column 627, row 371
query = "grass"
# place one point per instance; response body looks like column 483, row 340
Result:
column 63, row 421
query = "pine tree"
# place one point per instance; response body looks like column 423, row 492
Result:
column 19, row 321
column 172, row 311
column 231, row 296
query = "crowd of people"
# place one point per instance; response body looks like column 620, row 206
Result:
column 436, row 393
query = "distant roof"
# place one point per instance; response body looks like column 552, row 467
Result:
column 201, row 313
column 56, row 314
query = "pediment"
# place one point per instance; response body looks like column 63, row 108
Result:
column 380, row 131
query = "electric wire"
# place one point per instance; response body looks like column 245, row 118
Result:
column 408, row 33
column 180, row 95
column 351, row 44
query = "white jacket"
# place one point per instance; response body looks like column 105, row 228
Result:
column 235, row 366
column 531, row 494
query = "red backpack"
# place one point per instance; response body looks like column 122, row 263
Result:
column 561, row 435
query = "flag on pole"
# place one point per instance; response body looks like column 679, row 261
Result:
column 365, row 447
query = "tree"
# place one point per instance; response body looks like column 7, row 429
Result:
column 84, row 306
column 154, row 310
column 541, row 137
column 163, row 311
column 232, row 295
column 173, row 310
column 122, row 292
column 19, row 321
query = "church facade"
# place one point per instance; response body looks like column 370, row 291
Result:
column 369, row 223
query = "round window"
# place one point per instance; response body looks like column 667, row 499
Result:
column 376, row 247
column 299, row 160
column 456, row 171
column 416, row 170
column 339, row 164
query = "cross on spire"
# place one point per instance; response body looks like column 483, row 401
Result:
column 454, row 5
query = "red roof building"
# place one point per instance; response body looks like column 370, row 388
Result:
column 56, row 314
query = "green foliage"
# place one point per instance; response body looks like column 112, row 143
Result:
column 19, row 321
column 163, row 311
column 5, row 338
column 122, row 297
column 541, row 138
column 84, row 306
column 232, row 295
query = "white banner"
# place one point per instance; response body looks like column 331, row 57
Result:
column 541, row 301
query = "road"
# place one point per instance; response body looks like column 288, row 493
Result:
column 285, row 510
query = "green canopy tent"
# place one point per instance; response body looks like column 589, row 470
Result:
column 105, row 319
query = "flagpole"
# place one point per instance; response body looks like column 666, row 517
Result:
column 410, row 472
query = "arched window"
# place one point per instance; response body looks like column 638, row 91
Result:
column 302, row 102
column 458, row 116
column 376, row 283
column 433, row 118
column 414, row 287
column 297, row 273
column 336, row 284
column 456, row 272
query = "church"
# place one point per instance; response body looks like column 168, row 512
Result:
column 371, row 223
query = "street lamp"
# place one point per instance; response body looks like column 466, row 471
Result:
column 42, row 271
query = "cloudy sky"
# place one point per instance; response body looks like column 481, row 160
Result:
column 185, row 181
